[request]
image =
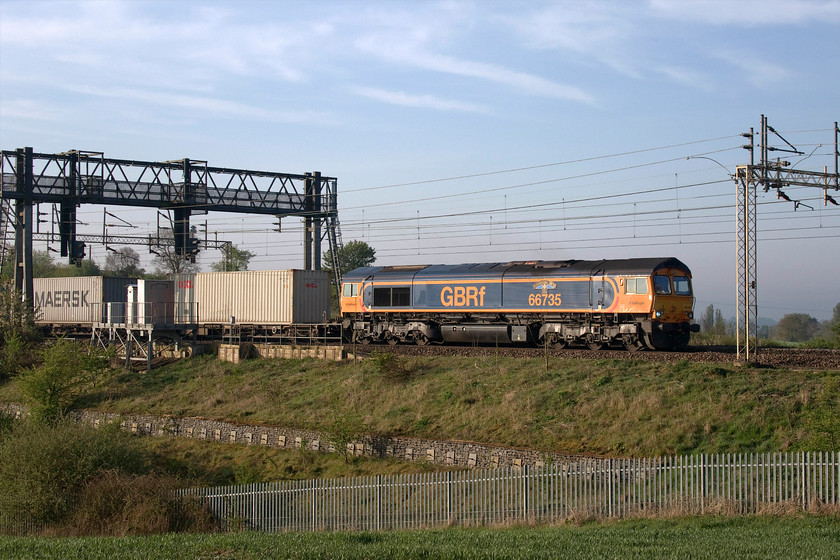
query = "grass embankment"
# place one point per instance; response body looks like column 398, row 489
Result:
column 606, row 407
column 757, row 538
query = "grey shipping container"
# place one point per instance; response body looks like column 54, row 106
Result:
column 77, row 299
column 264, row 297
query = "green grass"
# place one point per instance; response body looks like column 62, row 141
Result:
column 608, row 407
column 760, row 538
column 212, row 463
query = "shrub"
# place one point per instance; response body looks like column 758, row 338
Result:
column 390, row 366
column 44, row 468
column 16, row 316
column 64, row 373
column 117, row 503
column 13, row 354
column 344, row 430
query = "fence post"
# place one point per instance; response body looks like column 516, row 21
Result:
column 525, row 488
column 379, row 502
column 449, row 497
column 702, row 483
column 315, row 504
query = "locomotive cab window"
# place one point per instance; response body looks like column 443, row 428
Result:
column 350, row 290
column 635, row 286
column 662, row 285
column 392, row 297
column 682, row 285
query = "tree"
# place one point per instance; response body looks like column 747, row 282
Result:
column 353, row 255
column 167, row 261
column 233, row 259
column 17, row 329
column 796, row 327
column 42, row 264
column 707, row 320
column 124, row 262
column 720, row 323
column 8, row 262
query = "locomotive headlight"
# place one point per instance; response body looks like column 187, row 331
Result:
column 690, row 314
column 658, row 314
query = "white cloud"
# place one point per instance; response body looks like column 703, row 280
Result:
column 419, row 101
column 203, row 104
column 130, row 41
column 592, row 31
column 756, row 71
column 28, row 109
column 687, row 77
column 419, row 57
column 748, row 13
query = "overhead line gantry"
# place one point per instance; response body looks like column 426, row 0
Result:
column 184, row 186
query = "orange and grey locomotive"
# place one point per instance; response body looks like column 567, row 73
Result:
column 634, row 303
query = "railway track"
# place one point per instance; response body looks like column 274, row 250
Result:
column 767, row 357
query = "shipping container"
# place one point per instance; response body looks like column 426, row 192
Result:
column 263, row 297
column 77, row 299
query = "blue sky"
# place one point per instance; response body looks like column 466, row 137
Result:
column 460, row 131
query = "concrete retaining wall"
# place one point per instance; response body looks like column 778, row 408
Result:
column 237, row 352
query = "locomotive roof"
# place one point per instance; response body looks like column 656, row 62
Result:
column 618, row 267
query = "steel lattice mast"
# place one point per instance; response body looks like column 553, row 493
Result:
column 769, row 175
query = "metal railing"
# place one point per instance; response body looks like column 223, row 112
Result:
column 144, row 314
column 616, row 488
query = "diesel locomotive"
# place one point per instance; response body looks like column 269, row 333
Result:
column 635, row 303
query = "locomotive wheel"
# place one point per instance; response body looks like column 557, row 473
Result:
column 364, row 341
column 420, row 339
column 554, row 341
column 595, row 345
column 392, row 340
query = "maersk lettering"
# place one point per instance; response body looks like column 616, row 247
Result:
column 62, row 298
column 462, row 296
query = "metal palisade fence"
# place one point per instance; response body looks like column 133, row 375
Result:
column 693, row 484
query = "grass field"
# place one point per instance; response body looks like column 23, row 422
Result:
column 760, row 538
column 609, row 407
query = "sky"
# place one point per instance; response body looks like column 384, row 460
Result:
column 481, row 131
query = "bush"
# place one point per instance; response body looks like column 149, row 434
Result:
column 16, row 316
column 344, row 430
column 63, row 375
column 390, row 367
column 14, row 354
column 44, row 468
column 117, row 504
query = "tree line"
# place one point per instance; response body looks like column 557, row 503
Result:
column 793, row 327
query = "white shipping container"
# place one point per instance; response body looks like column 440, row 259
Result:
column 265, row 297
column 76, row 299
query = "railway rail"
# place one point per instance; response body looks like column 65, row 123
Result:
column 816, row 358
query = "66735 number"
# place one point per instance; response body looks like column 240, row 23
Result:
column 544, row 300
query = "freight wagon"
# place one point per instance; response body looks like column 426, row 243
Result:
column 261, row 304
column 267, row 304
column 72, row 305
